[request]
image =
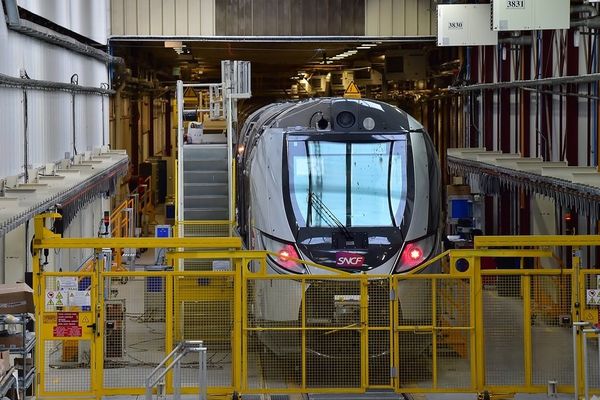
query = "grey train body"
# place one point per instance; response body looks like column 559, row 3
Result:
column 351, row 184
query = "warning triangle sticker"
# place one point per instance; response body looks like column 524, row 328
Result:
column 189, row 92
column 50, row 303
column 352, row 91
column 59, row 303
column 85, row 319
column 59, row 295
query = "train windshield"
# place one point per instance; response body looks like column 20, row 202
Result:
column 355, row 184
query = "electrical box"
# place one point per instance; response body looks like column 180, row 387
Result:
column 465, row 25
column 513, row 15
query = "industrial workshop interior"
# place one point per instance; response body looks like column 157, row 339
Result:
column 300, row 199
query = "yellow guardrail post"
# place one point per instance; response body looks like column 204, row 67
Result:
column 527, row 347
column 578, row 295
column 241, row 277
column 364, row 331
column 97, row 362
column 238, row 315
column 473, row 315
column 434, row 342
column 39, row 284
column 395, row 354
column 170, row 293
column 477, row 297
column 303, row 334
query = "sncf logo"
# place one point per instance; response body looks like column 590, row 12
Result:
column 346, row 259
column 515, row 3
column 455, row 25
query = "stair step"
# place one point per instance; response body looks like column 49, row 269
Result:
column 208, row 214
column 202, row 189
column 205, row 165
column 205, row 201
column 212, row 152
column 205, row 176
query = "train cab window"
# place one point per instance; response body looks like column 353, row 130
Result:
column 348, row 182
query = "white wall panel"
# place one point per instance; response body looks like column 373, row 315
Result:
column 88, row 18
column 400, row 17
column 49, row 113
column 117, row 17
column 207, row 17
column 11, row 139
column 143, row 19
column 162, row 17
column 181, row 18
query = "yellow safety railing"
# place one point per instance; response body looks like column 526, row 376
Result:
column 465, row 329
column 121, row 226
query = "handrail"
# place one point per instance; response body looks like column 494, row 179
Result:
column 180, row 351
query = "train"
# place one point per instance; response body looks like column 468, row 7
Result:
column 341, row 184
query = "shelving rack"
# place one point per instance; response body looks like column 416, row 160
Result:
column 25, row 348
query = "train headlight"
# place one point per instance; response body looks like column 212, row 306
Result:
column 283, row 254
column 415, row 253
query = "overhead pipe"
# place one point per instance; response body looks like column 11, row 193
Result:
column 588, row 78
column 9, row 81
column 587, row 23
column 517, row 40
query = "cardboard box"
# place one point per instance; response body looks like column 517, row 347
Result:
column 11, row 341
column 4, row 362
column 16, row 298
column 458, row 190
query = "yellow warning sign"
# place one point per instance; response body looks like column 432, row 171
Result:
column 352, row 91
column 85, row 319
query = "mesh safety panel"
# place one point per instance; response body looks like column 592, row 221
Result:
column 551, row 336
column 414, row 320
column 503, row 331
column 67, row 366
column 134, row 335
column 203, row 310
column 453, row 340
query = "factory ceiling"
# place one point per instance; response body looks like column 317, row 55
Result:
column 275, row 62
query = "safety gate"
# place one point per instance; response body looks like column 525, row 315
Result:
column 452, row 326
column 67, row 334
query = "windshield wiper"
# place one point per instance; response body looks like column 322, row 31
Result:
column 326, row 214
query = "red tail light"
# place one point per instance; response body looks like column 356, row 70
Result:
column 412, row 255
column 415, row 253
column 288, row 251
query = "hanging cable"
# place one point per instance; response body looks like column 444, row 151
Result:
column 74, row 81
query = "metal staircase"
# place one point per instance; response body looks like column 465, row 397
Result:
column 205, row 171
column 205, row 184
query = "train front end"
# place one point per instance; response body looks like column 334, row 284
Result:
column 356, row 188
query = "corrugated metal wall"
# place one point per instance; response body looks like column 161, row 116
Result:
column 290, row 17
column 49, row 114
column 88, row 18
column 401, row 18
column 273, row 17
column 163, row 17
